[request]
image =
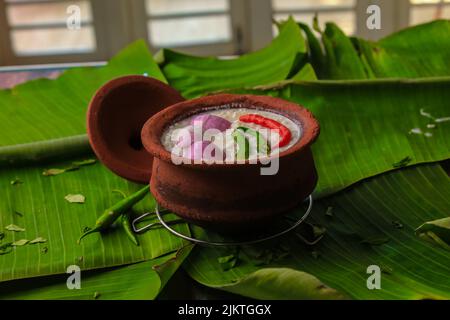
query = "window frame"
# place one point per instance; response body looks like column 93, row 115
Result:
column 251, row 28
column 231, row 47
column 8, row 56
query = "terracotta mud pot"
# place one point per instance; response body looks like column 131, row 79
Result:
column 115, row 117
column 231, row 197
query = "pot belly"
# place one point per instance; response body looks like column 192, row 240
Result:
column 236, row 198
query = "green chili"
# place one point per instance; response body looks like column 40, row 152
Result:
column 243, row 147
column 126, row 225
column 262, row 146
column 110, row 215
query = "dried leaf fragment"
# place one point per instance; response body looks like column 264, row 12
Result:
column 13, row 227
column 75, row 198
column 20, row 242
column 402, row 163
column 38, row 240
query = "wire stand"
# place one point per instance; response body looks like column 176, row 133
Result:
column 166, row 225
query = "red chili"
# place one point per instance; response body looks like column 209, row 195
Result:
column 284, row 132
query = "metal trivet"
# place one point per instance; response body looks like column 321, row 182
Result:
column 212, row 243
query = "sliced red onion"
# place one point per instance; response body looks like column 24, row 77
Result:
column 210, row 121
column 185, row 137
column 197, row 149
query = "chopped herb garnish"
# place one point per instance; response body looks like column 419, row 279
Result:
column 75, row 198
column 415, row 131
column 20, row 243
column 375, row 241
column 227, row 262
column 397, row 224
column 123, row 194
column 386, row 269
column 74, row 166
column 86, row 162
column 5, row 248
column 16, row 181
column 13, row 227
column 439, row 120
column 20, row 214
column 57, row 171
column 329, row 212
column 53, row 172
column 85, row 229
column 402, row 163
column 38, row 240
column 426, row 114
column 318, row 231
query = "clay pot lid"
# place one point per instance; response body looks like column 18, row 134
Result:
column 115, row 117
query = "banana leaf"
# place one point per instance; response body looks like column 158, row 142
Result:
column 372, row 223
column 369, row 212
column 342, row 60
column 419, row 51
column 143, row 280
column 436, row 231
column 366, row 125
column 45, row 109
column 194, row 76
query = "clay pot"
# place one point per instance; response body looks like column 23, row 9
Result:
column 231, row 197
column 115, row 117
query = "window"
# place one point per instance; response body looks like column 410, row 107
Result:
column 36, row 30
column 426, row 10
column 201, row 26
column 47, row 32
column 341, row 12
column 177, row 23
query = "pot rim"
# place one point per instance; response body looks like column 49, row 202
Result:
column 154, row 127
